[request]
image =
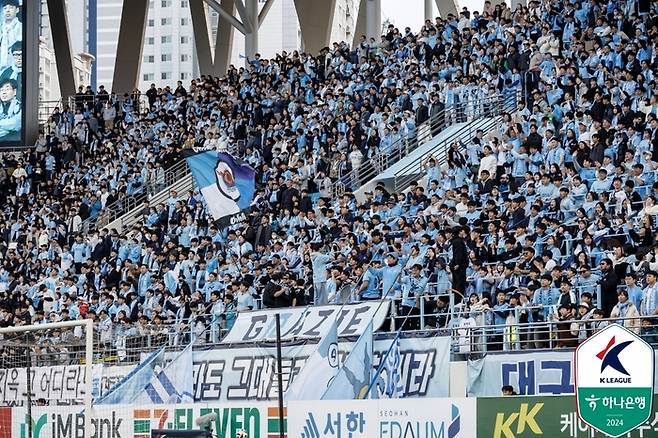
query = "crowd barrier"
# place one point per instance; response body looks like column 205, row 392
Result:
column 496, row 417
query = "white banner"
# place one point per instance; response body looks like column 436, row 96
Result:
column 59, row 384
column 236, row 374
column 62, row 382
column 537, row 373
column 106, row 376
column 307, row 322
column 239, row 373
column 445, row 418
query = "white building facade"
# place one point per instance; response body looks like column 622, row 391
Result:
column 169, row 52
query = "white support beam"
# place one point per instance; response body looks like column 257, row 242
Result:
column 263, row 12
column 244, row 16
column 217, row 7
column 223, row 41
column 201, row 37
column 373, row 19
column 251, row 38
column 315, row 20
column 428, row 10
column 62, row 45
column 130, row 45
column 447, row 7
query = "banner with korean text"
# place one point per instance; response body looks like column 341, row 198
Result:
column 537, row 373
column 241, row 372
column 249, row 373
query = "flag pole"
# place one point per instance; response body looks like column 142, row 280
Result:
column 279, row 373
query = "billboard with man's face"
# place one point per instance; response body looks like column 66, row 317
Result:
column 11, row 73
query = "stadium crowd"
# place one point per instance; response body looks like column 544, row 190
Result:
column 550, row 217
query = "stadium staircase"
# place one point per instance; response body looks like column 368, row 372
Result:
column 404, row 165
column 124, row 213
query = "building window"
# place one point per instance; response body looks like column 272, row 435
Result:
column 149, row 59
column 165, row 3
column 184, row 40
column 165, row 75
column 184, row 21
column 150, row 41
column 165, row 39
column 165, row 21
column 151, row 22
column 165, row 57
column 184, row 57
column 148, row 76
column 184, row 76
column 184, row 4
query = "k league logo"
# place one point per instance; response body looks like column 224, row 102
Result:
column 614, row 380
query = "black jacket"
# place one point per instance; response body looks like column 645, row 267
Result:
column 459, row 254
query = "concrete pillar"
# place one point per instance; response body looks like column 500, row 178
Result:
column 251, row 37
column 373, row 19
column 30, row 97
column 224, row 40
column 92, row 40
column 428, row 10
column 514, row 3
column 315, row 20
column 360, row 28
column 447, row 7
column 201, row 40
column 62, row 44
column 129, row 47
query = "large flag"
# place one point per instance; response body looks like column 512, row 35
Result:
column 387, row 381
column 226, row 183
column 128, row 388
column 174, row 384
column 318, row 371
column 353, row 378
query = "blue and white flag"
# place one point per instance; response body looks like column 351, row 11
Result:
column 387, row 382
column 226, row 183
column 318, row 371
column 128, row 388
column 174, row 384
column 353, row 378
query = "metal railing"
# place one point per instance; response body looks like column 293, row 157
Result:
column 421, row 134
column 481, row 115
column 127, row 342
column 139, row 102
column 551, row 334
column 46, row 109
column 128, row 203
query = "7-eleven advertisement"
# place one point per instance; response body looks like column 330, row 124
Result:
column 123, row 421
column 614, row 380
column 257, row 419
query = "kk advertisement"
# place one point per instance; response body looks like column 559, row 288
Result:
column 542, row 417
